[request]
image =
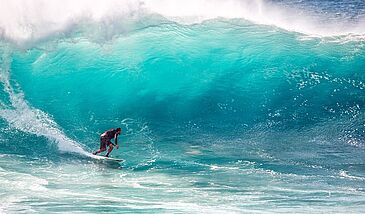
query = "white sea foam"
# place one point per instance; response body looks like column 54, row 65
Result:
column 30, row 20
column 345, row 174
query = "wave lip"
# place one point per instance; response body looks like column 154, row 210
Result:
column 36, row 19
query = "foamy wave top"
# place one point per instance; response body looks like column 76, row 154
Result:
column 34, row 19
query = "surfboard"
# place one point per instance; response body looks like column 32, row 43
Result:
column 103, row 158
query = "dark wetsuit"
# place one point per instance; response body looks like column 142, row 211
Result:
column 106, row 137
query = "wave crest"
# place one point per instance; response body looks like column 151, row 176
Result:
column 36, row 19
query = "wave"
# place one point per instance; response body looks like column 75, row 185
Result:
column 221, row 75
column 23, row 22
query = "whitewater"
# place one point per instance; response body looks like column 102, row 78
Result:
column 226, row 106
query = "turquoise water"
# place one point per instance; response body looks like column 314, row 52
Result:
column 224, row 115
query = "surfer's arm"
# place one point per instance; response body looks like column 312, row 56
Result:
column 116, row 140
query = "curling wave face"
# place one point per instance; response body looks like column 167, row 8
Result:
column 178, row 73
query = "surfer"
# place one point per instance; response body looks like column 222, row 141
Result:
column 105, row 140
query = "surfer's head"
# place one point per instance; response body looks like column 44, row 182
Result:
column 119, row 130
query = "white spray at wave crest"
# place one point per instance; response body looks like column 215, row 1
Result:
column 33, row 19
column 28, row 119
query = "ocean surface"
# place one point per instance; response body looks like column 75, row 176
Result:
column 226, row 106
